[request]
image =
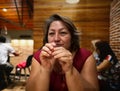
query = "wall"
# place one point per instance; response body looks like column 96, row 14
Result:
column 18, row 34
column 115, row 27
column 91, row 17
column 25, row 47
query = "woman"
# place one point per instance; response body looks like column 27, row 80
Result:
column 60, row 65
column 106, row 67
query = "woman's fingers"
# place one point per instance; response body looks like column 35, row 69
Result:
column 61, row 52
column 48, row 48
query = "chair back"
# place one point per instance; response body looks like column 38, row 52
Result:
column 29, row 60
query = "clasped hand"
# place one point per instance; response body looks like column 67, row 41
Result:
column 51, row 53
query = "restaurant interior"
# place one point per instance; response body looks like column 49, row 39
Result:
column 21, row 21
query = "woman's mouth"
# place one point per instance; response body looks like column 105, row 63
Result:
column 59, row 45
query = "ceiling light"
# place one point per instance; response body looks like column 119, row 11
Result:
column 4, row 9
column 72, row 1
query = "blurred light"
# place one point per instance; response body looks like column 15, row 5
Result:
column 22, row 42
column 4, row 9
column 72, row 1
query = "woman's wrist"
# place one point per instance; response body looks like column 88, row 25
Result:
column 45, row 71
column 69, row 72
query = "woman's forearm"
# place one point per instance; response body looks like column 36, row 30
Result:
column 103, row 65
column 73, row 81
column 40, row 82
column 76, row 82
column 44, row 81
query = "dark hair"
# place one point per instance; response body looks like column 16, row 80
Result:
column 104, row 50
column 2, row 39
column 71, row 27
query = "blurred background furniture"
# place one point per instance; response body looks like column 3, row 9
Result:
column 23, row 66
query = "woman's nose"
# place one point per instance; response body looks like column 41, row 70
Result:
column 57, row 37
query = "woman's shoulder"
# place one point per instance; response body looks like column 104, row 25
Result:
column 36, row 55
column 80, row 58
column 85, row 51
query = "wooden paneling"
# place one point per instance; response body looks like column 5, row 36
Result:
column 91, row 17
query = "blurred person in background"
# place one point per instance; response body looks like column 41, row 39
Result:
column 106, row 62
column 5, row 50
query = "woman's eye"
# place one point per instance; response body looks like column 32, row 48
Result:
column 63, row 33
column 51, row 33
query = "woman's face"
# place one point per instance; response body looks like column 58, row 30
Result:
column 59, row 34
